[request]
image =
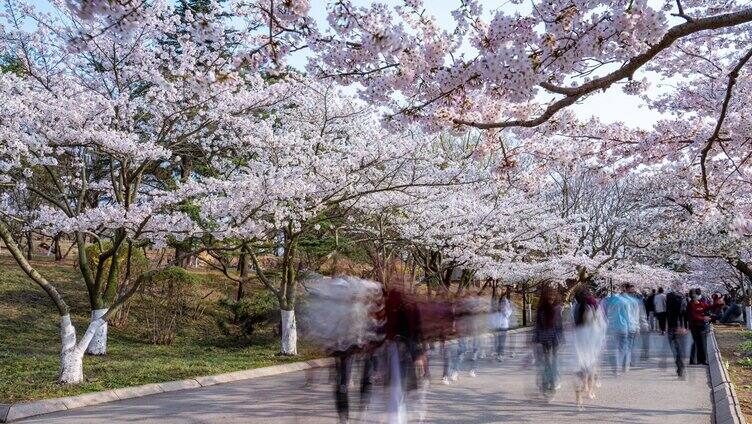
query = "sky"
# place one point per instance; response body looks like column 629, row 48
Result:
column 609, row 106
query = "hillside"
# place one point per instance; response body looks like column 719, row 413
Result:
column 30, row 342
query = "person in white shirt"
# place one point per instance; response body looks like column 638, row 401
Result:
column 502, row 318
column 659, row 303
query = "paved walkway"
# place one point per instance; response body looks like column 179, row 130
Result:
column 501, row 393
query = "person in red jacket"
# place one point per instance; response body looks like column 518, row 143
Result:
column 697, row 323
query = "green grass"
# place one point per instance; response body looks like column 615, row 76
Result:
column 746, row 347
column 746, row 350
column 30, row 342
column 746, row 362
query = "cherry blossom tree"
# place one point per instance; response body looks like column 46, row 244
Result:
column 96, row 127
column 317, row 157
column 141, row 124
column 520, row 68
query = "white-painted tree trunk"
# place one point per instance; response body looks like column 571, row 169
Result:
column 98, row 344
column 749, row 316
column 289, row 333
column 71, row 361
column 71, row 352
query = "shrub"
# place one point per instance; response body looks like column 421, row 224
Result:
column 170, row 298
column 248, row 314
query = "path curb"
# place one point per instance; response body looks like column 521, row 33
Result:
column 4, row 412
column 726, row 409
column 18, row 411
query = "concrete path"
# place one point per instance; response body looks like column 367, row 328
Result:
column 501, row 393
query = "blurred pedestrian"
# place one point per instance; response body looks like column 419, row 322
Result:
column 447, row 331
column 638, row 323
column 548, row 334
column 650, row 310
column 472, row 321
column 589, row 336
column 733, row 313
column 683, row 317
column 344, row 316
column 676, row 333
column 502, row 318
column 659, row 306
column 405, row 361
column 618, row 315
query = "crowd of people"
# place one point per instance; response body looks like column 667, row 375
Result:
column 393, row 335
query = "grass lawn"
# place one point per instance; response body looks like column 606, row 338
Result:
column 736, row 348
column 30, row 341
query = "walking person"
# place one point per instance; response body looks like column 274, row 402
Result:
column 404, row 352
column 348, row 325
column 502, row 319
column 548, row 334
column 472, row 321
column 589, row 336
column 698, row 323
column 617, row 314
column 638, row 324
column 343, row 366
column 659, row 306
column 683, row 318
column 676, row 333
column 448, row 331
column 650, row 310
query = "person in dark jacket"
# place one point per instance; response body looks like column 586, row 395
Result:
column 733, row 313
column 548, row 334
column 404, row 349
column 675, row 331
column 650, row 310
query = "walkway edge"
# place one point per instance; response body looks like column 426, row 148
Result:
column 726, row 409
column 21, row 410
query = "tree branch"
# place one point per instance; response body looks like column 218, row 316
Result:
column 5, row 234
column 721, row 118
column 573, row 94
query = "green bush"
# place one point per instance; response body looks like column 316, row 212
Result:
column 170, row 298
column 248, row 314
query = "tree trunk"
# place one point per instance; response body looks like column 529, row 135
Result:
column 71, row 359
column 98, row 344
column 29, row 245
column 243, row 268
column 56, row 246
column 289, row 333
column 181, row 252
column 72, row 353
